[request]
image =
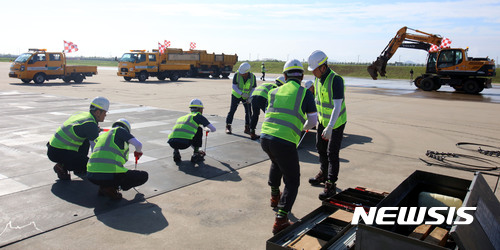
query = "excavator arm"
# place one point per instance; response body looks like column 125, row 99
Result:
column 405, row 40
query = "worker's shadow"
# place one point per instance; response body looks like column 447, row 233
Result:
column 205, row 170
column 139, row 217
column 79, row 192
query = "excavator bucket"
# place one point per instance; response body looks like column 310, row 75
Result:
column 377, row 67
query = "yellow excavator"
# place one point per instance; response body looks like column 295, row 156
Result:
column 447, row 66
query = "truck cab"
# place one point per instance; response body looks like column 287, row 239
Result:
column 138, row 63
column 27, row 65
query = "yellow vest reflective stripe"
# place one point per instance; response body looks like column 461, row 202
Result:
column 263, row 89
column 107, row 156
column 65, row 136
column 324, row 101
column 284, row 118
column 244, row 86
column 185, row 127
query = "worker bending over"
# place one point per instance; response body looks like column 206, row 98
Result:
column 69, row 146
column 106, row 164
column 187, row 132
column 259, row 102
column 244, row 83
column 284, row 121
column 330, row 102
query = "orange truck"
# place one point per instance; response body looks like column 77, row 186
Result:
column 40, row 66
column 141, row 65
column 203, row 64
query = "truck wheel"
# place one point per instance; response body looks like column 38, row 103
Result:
column 39, row 78
column 436, row 86
column 427, row 84
column 471, row 87
column 161, row 77
column 67, row 79
column 26, row 80
column 142, row 76
column 78, row 78
column 127, row 78
column 174, row 77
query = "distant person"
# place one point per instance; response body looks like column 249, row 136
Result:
column 309, row 85
column 106, row 165
column 291, row 109
column 330, row 102
column 69, row 146
column 263, row 70
column 187, row 132
column 259, row 102
column 244, row 83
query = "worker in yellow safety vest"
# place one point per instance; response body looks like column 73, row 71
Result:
column 106, row 165
column 330, row 102
column 263, row 71
column 259, row 102
column 243, row 85
column 187, row 132
column 69, row 146
column 291, row 109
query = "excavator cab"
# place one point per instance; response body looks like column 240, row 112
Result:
column 431, row 63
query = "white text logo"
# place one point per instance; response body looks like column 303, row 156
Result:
column 413, row 215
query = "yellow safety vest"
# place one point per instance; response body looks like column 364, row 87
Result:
column 244, row 86
column 185, row 127
column 65, row 136
column 107, row 156
column 263, row 89
column 324, row 101
column 284, row 117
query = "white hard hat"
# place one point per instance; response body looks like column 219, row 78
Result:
column 293, row 64
column 196, row 103
column 316, row 59
column 308, row 84
column 100, row 103
column 280, row 80
column 124, row 123
column 244, row 68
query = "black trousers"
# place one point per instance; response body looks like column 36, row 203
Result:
column 329, row 151
column 71, row 160
column 284, row 163
column 234, row 105
column 258, row 103
column 126, row 181
column 180, row 143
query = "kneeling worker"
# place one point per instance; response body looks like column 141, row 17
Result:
column 187, row 132
column 105, row 167
column 291, row 109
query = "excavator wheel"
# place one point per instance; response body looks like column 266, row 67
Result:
column 472, row 87
column 418, row 81
column 427, row 84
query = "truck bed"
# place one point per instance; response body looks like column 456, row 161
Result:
column 81, row 69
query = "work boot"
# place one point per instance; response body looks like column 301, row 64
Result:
column 318, row 179
column 281, row 223
column 247, row 129
column 228, row 129
column 61, row 172
column 329, row 191
column 198, row 156
column 177, row 155
column 253, row 136
column 110, row 192
column 275, row 199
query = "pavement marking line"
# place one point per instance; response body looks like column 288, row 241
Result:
column 129, row 110
column 8, row 186
column 144, row 159
column 3, row 176
column 59, row 113
column 148, row 124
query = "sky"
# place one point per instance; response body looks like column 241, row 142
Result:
column 347, row 31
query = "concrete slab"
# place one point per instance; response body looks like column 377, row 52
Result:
column 388, row 131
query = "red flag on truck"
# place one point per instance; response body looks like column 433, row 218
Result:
column 161, row 48
column 192, row 46
column 70, row 47
column 167, row 44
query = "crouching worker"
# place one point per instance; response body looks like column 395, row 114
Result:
column 187, row 132
column 105, row 167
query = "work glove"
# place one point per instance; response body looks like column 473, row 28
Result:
column 207, row 129
column 327, row 133
column 137, row 155
column 244, row 96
